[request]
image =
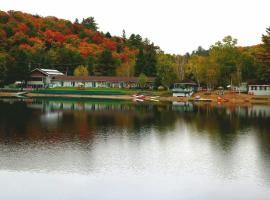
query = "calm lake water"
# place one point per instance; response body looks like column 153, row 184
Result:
column 101, row 149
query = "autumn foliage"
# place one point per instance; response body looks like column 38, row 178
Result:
column 32, row 41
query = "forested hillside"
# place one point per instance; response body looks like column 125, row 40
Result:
column 30, row 41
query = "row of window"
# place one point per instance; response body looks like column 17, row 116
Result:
column 260, row 87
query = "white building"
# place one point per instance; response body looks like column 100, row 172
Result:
column 99, row 81
column 259, row 90
column 41, row 78
column 184, row 89
column 50, row 78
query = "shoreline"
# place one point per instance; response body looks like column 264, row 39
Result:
column 228, row 98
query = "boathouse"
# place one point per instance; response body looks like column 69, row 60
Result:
column 184, row 88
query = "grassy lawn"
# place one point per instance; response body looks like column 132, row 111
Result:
column 121, row 90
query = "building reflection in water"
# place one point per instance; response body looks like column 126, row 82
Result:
column 64, row 115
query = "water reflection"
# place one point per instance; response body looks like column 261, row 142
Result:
column 64, row 117
column 118, row 137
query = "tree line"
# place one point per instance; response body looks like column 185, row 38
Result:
column 30, row 41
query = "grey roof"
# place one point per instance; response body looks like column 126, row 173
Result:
column 52, row 72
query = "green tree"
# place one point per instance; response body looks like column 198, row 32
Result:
column 90, row 63
column 166, row 70
column 225, row 54
column 124, row 34
column 106, row 64
column 90, row 23
column 263, row 72
column 81, row 70
column 3, row 67
column 146, row 62
column 67, row 59
column 142, row 79
column 200, row 52
column 248, row 64
column 20, row 68
column 139, row 62
column 108, row 35
column 135, row 41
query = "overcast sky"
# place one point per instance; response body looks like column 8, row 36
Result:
column 177, row 26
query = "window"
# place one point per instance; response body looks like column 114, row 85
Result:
column 253, row 87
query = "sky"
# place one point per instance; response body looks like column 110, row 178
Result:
column 177, row 26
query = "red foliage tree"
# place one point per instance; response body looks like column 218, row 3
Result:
column 123, row 57
column 3, row 35
column 97, row 38
column 25, row 46
column 22, row 27
column 54, row 36
column 110, row 44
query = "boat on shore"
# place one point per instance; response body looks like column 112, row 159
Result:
column 199, row 99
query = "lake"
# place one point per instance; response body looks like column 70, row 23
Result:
column 105, row 149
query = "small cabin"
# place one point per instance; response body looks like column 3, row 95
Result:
column 184, row 89
column 259, row 90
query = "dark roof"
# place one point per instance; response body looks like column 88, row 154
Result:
column 101, row 78
column 254, row 82
column 187, row 82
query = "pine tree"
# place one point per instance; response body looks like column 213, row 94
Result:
column 139, row 65
column 264, row 58
column 90, row 23
column 106, row 64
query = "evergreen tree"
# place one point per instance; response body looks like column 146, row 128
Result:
column 200, row 52
column 3, row 67
column 264, row 58
column 146, row 63
column 108, row 35
column 76, row 21
column 20, row 69
column 140, row 62
column 106, row 64
column 150, row 63
column 90, row 62
column 135, row 41
column 90, row 23
column 124, row 34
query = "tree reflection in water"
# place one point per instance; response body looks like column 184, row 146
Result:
column 225, row 130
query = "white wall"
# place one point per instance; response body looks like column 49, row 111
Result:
column 259, row 90
column 88, row 84
column 67, row 84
